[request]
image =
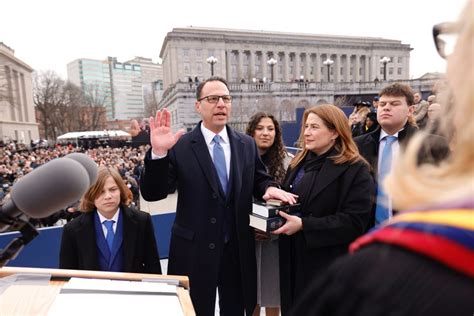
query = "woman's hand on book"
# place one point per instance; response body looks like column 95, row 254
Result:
column 293, row 224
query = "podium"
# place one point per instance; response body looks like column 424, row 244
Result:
column 37, row 299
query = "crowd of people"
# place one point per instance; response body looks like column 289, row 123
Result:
column 16, row 161
column 385, row 225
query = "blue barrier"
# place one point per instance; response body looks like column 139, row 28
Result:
column 43, row 251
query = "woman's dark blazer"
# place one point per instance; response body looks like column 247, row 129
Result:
column 335, row 210
column 140, row 253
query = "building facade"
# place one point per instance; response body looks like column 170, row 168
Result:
column 93, row 76
column 243, row 56
column 121, row 86
column 275, row 72
column 17, row 113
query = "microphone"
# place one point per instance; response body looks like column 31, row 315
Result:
column 88, row 163
column 49, row 188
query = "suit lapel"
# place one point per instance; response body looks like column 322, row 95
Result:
column 86, row 234
column 329, row 172
column 118, row 238
column 130, row 233
column 236, row 160
column 201, row 151
column 100, row 238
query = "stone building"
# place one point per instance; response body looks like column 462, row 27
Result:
column 243, row 55
column 17, row 113
column 276, row 72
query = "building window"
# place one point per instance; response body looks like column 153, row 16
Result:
column 290, row 69
column 390, row 71
column 381, row 71
column 399, row 71
column 400, row 60
column 280, row 69
column 198, row 52
column 341, row 71
column 311, row 70
column 292, row 58
column 199, row 68
column 185, row 52
column 187, row 69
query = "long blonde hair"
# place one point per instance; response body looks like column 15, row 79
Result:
column 411, row 185
column 335, row 120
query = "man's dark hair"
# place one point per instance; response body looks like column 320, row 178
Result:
column 202, row 84
column 399, row 90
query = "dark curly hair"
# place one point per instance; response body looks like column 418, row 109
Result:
column 276, row 154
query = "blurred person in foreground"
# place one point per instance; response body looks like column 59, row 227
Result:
column 266, row 131
column 421, row 261
column 335, row 190
column 109, row 236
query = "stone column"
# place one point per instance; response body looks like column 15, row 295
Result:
column 367, row 68
column 375, row 71
column 296, row 66
column 252, row 64
column 228, row 65
column 347, row 72
column 263, row 66
column 337, row 68
column 357, row 68
column 317, row 68
column 240, row 74
column 286, row 57
column 307, row 67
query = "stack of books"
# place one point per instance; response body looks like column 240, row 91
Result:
column 265, row 214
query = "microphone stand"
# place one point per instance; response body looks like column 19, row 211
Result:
column 28, row 233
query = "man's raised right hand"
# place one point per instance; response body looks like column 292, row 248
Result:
column 161, row 137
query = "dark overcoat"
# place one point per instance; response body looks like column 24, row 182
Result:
column 80, row 250
column 197, row 236
column 336, row 205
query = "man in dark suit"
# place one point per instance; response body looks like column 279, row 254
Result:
column 395, row 107
column 216, row 171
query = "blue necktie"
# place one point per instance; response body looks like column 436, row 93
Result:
column 110, row 233
column 219, row 162
column 382, row 211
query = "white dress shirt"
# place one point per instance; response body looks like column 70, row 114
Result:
column 103, row 219
column 209, row 136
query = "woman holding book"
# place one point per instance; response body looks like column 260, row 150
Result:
column 264, row 128
column 335, row 191
column 420, row 262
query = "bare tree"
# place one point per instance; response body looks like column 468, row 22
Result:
column 73, row 103
column 151, row 102
column 48, row 97
column 95, row 98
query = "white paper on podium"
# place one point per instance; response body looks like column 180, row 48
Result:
column 94, row 297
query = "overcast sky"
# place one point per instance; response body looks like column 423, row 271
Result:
column 48, row 34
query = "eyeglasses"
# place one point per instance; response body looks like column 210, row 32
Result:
column 213, row 99
column 445, row 36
